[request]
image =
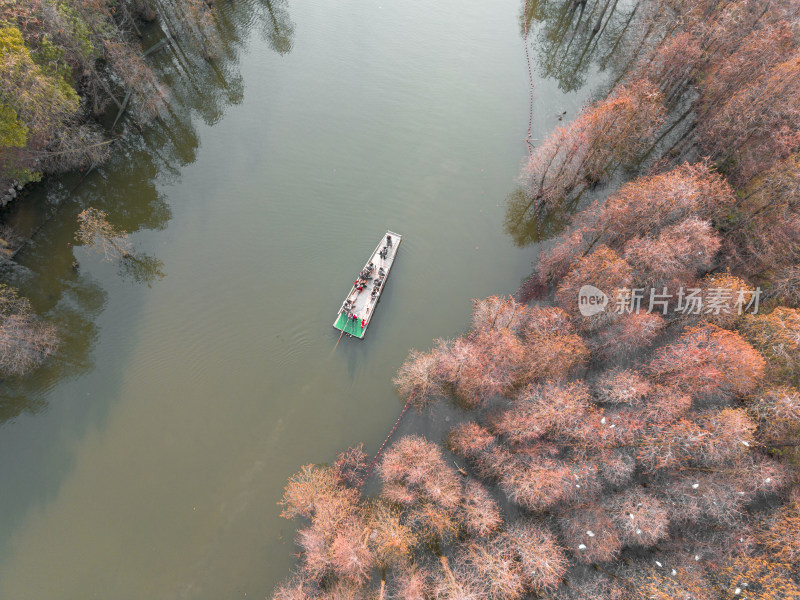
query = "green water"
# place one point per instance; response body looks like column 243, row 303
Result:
column 146, row 462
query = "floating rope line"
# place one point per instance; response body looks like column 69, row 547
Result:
column 528, row 140
column 378, row 454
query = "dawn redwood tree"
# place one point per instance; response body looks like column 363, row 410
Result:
column 411, row 582
column 765, row 238
column 776, row 410
column 419, row 377
column 351, row 466
column 718, row 495
column 549, row 409
column 510, row 343
column 481, row 514
column 753, row 56
column 708, row 360
column 493, row 567
column 438, row 504
column 538, row 483
column 334, row 543
column 538, row 553
column 735, row 294
column 617, row 466
column 552, row 348
column 650, row 204
column 628, row 333
column 621, row 387
column 469, row 439
column 781, row 534
column 729, row 435
column 590, row 533
column 756, row 126
column 777, row 336
column 672, row 65
column 611, row 133
column 484, row 364
column 138, row 77
column 603, row 269
column 496, row 312
column 673, row 257
column 641, row 518
column 640, row 209
column 415, row 467
column 525, row 558
column 665, row 404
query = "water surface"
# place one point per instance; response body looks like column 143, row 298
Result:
column 147, row 462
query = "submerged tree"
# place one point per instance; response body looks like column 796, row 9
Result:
column 612, row 133
column 678, row 206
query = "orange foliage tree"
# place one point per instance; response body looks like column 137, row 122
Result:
column 611, row 133
column 777, row 336
column 709, row 360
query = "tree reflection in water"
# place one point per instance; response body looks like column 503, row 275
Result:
column 127, row 189
column 525, row 229
column 575, row 35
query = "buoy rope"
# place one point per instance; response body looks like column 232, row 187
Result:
column 378, row 454
column 528, row 140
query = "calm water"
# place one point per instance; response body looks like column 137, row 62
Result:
column 147, row 461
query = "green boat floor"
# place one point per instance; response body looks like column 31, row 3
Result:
column 349, row 326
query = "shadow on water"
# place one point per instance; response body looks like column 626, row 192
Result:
column 127, row 188
column 527, row 228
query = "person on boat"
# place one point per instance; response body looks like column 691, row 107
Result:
column 381, row 272
column 388, row 240
column 363, row 323
column 355, row 318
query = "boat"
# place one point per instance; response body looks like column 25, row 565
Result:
column 356, row 312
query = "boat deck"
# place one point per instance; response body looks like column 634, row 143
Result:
column 364, row 304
